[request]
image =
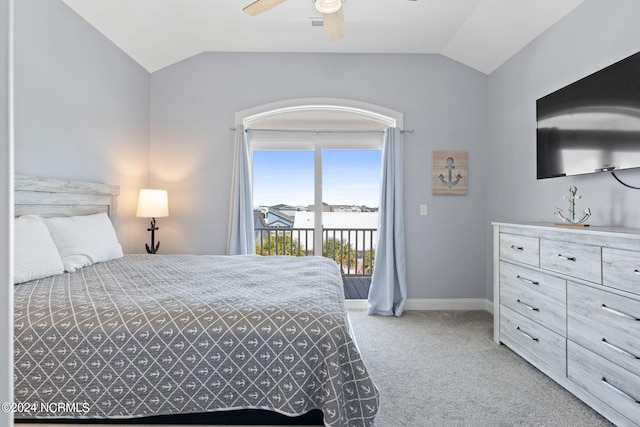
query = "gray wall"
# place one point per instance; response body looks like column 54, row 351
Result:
column 597, row 34
column 193, row 105
column 6, row 173
column 82, row 108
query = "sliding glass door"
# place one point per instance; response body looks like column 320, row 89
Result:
column 318, row 196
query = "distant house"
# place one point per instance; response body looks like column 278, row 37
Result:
column 285, row 209
column 276, row 219
column 278, row 216
column 345, row 208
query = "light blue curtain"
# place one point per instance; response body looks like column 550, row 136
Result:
column 241, row 233
column 388, row 291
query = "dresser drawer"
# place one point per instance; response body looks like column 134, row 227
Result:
column 604, row 323
column 581, row 261
column 610, row 383
column 542, row 347
column 535, row 295
column 604, row 340
column 621, row 269
column 520, row 248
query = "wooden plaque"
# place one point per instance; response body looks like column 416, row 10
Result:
column 449, row 172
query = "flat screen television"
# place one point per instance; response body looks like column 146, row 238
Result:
column 592, row 125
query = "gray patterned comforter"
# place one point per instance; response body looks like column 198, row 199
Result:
column 167, row 334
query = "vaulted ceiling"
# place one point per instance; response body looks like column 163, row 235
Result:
column 482, row 34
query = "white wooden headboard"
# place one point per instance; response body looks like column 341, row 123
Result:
column 56, row 197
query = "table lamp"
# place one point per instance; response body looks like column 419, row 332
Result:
column 152, row 204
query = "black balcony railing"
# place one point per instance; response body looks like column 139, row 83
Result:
column 352, row 249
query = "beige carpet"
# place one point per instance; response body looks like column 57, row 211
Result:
column 440, row 368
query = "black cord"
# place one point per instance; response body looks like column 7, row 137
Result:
column 626, row 185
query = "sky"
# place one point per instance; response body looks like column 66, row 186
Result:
column 350, row 177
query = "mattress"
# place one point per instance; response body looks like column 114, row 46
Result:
column 149, row 335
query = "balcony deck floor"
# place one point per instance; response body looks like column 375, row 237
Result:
column 356, row 287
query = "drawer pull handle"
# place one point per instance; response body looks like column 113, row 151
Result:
column 517, row 248
column 525, row 305
column 568, row 258
column 617, row 390
column 619, row 313
column 527, row 335
column 529, row 281
column 619, row 350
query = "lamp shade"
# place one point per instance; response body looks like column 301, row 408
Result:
column 152, row 203
column 328, row 6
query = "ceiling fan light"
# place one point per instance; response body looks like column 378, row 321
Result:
column 328, row 6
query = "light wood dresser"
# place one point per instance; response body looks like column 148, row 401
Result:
column 567, row 299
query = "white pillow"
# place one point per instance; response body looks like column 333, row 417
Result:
column 84, row 240
column 35, row 254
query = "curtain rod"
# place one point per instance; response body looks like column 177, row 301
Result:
column 322, row 130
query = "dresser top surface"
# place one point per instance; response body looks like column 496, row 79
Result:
column 631, row 233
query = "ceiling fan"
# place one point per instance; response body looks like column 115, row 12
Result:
column 331, row 10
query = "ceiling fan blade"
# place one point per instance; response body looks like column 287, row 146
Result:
column 334, row 24
column 259, row 6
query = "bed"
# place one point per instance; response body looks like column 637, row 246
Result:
column 154, row 335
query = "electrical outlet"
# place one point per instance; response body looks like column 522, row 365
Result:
column 423, row 210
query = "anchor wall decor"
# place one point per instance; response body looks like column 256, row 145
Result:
column 449, row 172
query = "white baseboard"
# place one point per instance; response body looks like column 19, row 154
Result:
column 426, row 304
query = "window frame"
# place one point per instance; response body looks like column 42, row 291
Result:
column 338, row 124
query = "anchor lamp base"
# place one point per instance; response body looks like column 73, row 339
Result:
column 154, row 246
